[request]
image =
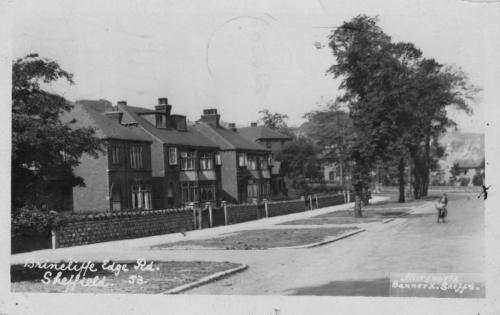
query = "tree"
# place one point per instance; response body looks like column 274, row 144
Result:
column 300, row 162
column 44, row 149
column 332, row 129
column 275, row 121
column 373, row 75
column 397, row 101
column 436, row 88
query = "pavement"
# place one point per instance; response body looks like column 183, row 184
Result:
column 358, row 265
column 128, row 249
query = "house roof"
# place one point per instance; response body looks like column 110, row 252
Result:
column 190, row 137
column 262, row 132
column 106, row 128
column 228, row 139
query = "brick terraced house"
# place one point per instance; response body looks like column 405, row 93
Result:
column 185, row 163
column 120, row 178
column 246, row 165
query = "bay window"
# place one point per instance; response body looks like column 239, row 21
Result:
column 207, row 191
column 141, row 197
column 252, row 189
column 189, row 192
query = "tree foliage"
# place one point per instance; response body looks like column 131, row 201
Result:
column 275, row 121
column 300, row 162
column 44, row 149
column 397, row 100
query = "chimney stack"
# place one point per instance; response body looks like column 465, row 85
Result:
column 163, row 106
column 232, row 126
column 211, row 117
column 115, row 114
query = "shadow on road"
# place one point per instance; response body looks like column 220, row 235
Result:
column 373, row 287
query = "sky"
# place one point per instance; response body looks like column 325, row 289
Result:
column 241, row 57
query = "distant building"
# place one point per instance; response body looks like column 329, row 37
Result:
column 275, row 141
column 269, row 138
column 463, row 148
column 246, row 165
column 121, row 177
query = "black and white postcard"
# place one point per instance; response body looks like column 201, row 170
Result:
column 250, row 157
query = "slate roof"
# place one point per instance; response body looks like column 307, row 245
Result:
column 106, row 128
column 262, row 132
column 228, row 139
column 191, row 137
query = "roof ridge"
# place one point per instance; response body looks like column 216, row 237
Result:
column 207, row 126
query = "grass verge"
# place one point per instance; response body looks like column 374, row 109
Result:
column 260, row 239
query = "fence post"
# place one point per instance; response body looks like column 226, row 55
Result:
column 265, row 208
column 225, row 211
column 210, row 218
column 54, row 239
column 316, row 197
column 194, row 218
column 348, row 196
column 310, row 202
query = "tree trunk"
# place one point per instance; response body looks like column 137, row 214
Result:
column 401, row 179
column 357, row 201
column 427, row 157
column 341, row 170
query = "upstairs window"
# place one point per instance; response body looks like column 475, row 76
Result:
column 136, row 158
column 172, row 156
column 263, row 163
column 188, row 161
column 206, row 161
column 218, row 159
column 114, row 154
column 252, row 162
column 242, row 159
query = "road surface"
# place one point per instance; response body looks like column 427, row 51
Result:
column 362, row 264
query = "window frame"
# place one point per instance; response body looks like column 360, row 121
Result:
column 206, row 161
column 188, row 163
column 252, row 162
column 242, row 159
column 218, row 158
column 136, row 156
column 115, row 154
column 173, row 156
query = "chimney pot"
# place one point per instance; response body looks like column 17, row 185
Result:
column 232, row 126
column 124, row 103
column 163, row 101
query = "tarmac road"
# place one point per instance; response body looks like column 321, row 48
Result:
column 361, row 265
